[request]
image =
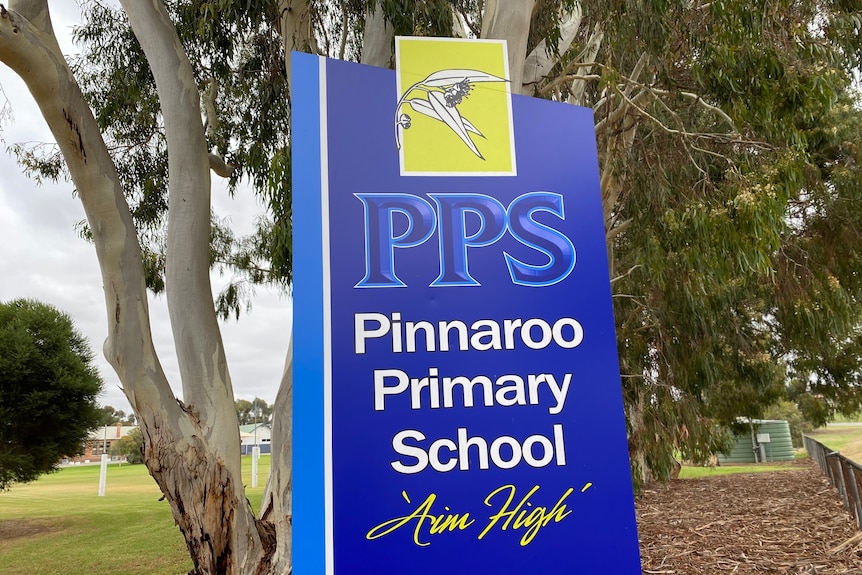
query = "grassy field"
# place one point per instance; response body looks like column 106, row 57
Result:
column 845, row 438
column 59, row 525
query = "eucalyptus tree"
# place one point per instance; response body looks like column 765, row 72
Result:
column 704, row 112
column 728, row 159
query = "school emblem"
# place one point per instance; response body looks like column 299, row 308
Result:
column 454, row 110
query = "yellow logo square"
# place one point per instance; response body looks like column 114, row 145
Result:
column 454, row 111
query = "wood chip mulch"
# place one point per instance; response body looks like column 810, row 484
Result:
column 790, row 521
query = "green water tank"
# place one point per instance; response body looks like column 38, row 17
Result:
column 765, row 440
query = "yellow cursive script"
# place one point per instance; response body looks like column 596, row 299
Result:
column 520, row 516
column 436, row 523
column 523, row 515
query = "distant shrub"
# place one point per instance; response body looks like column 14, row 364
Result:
column 788, row 411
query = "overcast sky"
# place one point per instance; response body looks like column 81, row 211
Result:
column 42, row 257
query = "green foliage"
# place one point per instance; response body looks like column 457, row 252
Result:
column 48, row 390
column 130, row 446
column 111, row 416
column 817, row 299
column 255, row 411
column 425, row 18
column 789, row 412
column 730, row 169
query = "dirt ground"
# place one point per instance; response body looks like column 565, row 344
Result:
column 13, row 528
column 789, row 521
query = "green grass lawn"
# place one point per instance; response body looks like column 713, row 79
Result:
column 69, row 530
column 696, row 472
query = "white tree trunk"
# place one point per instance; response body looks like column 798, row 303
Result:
column 228, row 537
column 29, row 47
column 377, row 39
column 297, row 30
column 510, row 20
column 576, row 94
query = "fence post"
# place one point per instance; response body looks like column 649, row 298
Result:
column 837, row 468
column 849, row 486
column 817, row 452
column 854, row 489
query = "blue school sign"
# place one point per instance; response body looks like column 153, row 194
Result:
column 457, row 394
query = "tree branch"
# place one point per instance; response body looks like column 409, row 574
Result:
column 200, row 352
column 219, row 166
column 538, row 64
column 591, row 51
column 220, row 529
column 31, row 50
column 627, row 274
column 345, row 23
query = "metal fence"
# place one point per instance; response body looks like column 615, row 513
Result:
column 845, row 475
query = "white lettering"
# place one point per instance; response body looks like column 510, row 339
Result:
column 577, row 333
column 434, row 455
column 560, row 391
column 445, row 327
column 547, row 451
column 360, row 333
column 432, row 391
column 488, row 330
column 410, row 451
column 497, row 458
column 515, row 390
column 467, row 386
column 504, row 452
column 381, row 390
column 527, row 333
column 464, row 445
column 482, row 335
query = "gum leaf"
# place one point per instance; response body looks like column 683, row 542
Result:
column 452, row 118
column 424, row 107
